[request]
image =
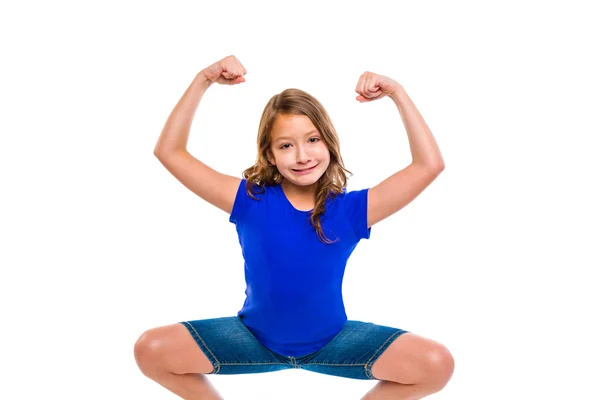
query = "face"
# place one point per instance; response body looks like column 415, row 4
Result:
column 298, row 150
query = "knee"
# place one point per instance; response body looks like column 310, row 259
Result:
column 440, row 366
column 148, row 352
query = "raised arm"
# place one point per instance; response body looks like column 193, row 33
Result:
column 404, row 186
column 171, row 149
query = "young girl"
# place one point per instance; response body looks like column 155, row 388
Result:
column 297, row 226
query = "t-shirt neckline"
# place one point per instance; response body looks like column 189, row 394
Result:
column 289, row 203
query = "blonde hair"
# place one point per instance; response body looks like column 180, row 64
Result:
column 331, row 183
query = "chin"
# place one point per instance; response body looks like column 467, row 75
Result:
column 305, row 183
column 304, row 180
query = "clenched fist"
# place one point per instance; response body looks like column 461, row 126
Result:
column 371, row 87
column 228, row 71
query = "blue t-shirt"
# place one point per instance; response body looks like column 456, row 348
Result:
column 294, row 302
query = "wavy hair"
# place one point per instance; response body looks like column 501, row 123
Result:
column 331, row 183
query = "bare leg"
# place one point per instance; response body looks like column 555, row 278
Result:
column 188, row 386
column 411, row 368
column 386, row 390
column 169, row 356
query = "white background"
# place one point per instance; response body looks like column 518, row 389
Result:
column 495, row 259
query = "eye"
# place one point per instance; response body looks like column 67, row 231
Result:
column 316, row 139
column 283, row 147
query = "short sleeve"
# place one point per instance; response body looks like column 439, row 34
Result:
column 355, row 204
column 241, row 204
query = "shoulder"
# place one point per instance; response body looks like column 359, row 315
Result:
column 247, row 198
column 348, row 200
column 352, row 196
column 254, row 190
column 355, row 206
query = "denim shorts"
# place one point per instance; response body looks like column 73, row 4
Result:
column 233, row 349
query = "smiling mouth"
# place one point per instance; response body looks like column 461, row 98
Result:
column 302, row 170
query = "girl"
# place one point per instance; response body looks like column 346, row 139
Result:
column 297, row 226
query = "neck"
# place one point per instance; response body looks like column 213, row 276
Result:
column 308, row 191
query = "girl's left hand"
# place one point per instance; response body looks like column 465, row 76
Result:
column 372, row 87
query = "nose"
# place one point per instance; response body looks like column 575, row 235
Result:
column 302, row 156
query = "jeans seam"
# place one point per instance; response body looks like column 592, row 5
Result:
column 377, row 353
column 256, row 363
column 218, row 367
column 334, row 365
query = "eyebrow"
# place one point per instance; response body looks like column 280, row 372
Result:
column 287, row 137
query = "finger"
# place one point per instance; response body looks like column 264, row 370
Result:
column 363, row 83
column 364, row 99
column 365, row 91
column 367, row 86
column 231, row 73
column 226, row 73
column 372, row 85
column 237, row 70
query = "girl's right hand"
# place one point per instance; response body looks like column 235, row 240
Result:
column 228, row 71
